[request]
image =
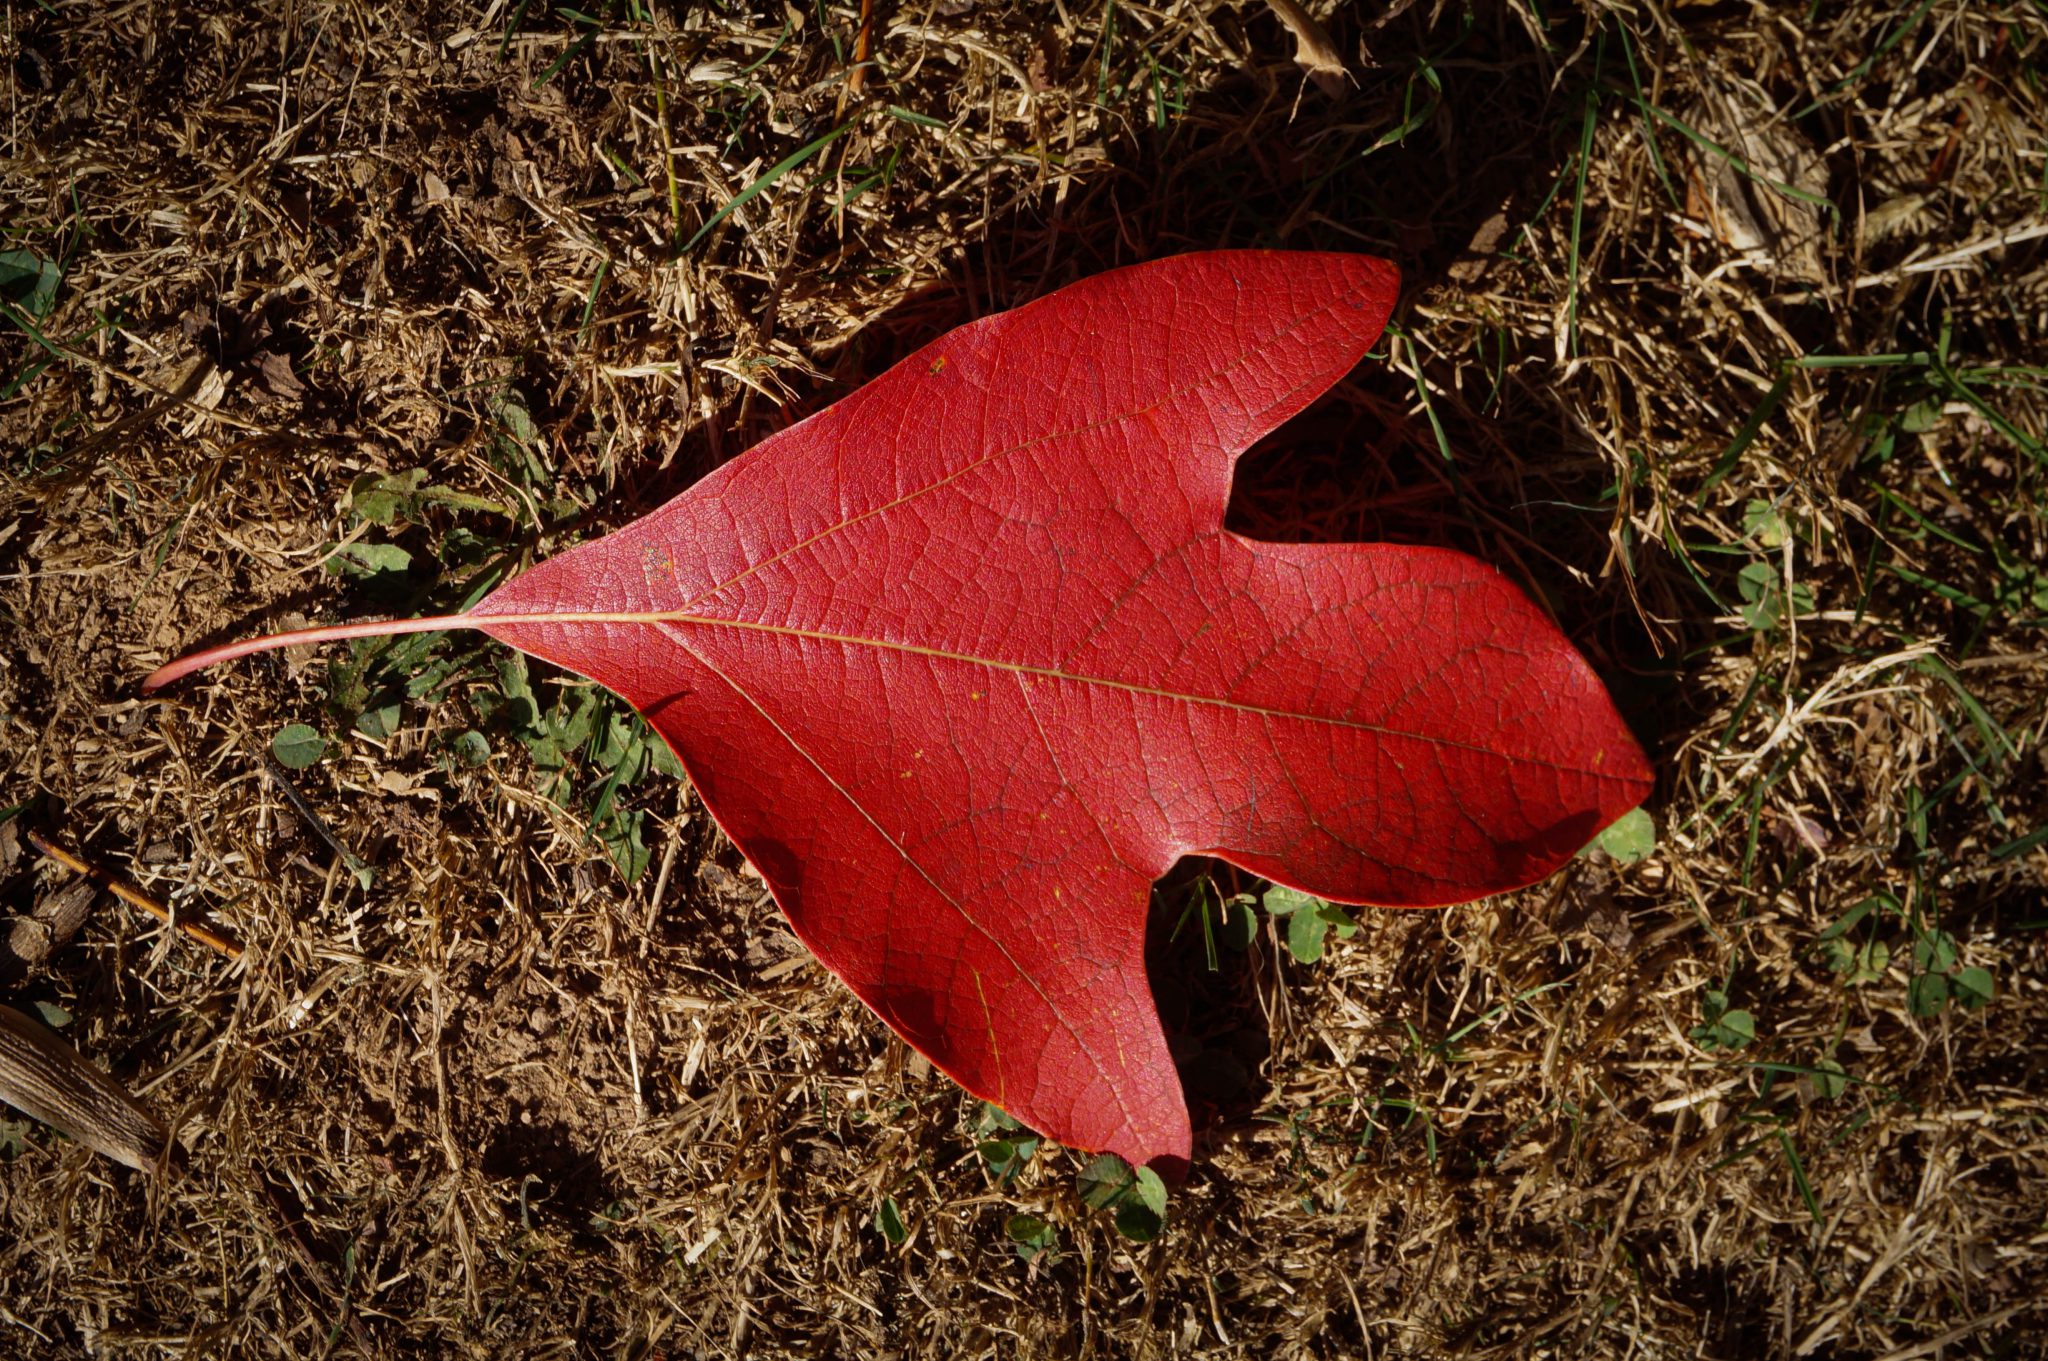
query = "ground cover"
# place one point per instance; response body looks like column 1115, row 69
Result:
column 1721, row 334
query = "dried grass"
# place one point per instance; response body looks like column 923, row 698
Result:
column 504, row 1103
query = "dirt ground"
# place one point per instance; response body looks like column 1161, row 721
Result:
column 1720, row 332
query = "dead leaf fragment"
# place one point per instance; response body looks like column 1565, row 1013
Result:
column 1479, row 253
column 278, row 377
column 1795, row 829
column 1765, row 197
column 1314, row 53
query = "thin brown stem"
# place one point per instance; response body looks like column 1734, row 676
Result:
column 127, row 893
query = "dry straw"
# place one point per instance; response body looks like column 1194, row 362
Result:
column 1722, row 336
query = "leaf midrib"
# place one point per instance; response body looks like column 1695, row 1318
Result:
column 659, row 618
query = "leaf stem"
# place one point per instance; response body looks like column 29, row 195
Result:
column 227, row 652
column 388, row 628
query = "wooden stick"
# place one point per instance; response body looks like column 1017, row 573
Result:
column 134, row 896
column 857, row 79
column 311, row 816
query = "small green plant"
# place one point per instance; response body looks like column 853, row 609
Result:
column 1238, row 920
column 471, row 749
column 1135, row 1195
column 1858, row 957
column 1852, row 947
column 517, row 446
column 1722, row 1027
column 1226, row 921
column 1630, row 838
column 381, row 720
column 297, row 746
column 1006, row 1146
column 410, row 538
column 383, row 568
column 888, row 1222
column 1766, row 601
column 584, row 747
column 1941, row 978
column 1309, row 921
column 1765, row 526
column 1829, row 1079
column 1030, row 1236
column 1972, row 987
column 1864, row 963
column 28, row 281
column 393, row 499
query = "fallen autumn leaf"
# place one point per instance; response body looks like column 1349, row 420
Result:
column 964, row 662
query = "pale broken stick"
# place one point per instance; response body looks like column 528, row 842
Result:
column 46, row 1078
column 134, row 896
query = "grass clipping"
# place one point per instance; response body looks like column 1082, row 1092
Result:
column 1718, row 339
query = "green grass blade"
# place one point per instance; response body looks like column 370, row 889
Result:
column 2020, row 845
column 774, row 173
column 1742, row 166
column 1746, row 434
column 1592, row 117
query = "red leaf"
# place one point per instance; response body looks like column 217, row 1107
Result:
column 966, row 661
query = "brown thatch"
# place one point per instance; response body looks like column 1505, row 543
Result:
column 1717, row 336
